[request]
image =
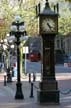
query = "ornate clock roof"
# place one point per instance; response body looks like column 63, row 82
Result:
column 47, row 10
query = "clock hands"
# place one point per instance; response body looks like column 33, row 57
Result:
column 50, row 26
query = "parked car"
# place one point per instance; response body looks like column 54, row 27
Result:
column 67, row 61
column 34, row 56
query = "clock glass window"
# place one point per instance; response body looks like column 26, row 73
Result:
column 48, row 25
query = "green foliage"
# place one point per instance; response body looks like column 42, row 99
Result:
column 25, row 10
column 10, row 8
column 65, row 19
column 65, row 25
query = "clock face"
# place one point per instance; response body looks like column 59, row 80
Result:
column 48, row 25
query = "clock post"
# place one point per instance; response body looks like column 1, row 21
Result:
column 48, row 28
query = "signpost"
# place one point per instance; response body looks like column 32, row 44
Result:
column 25, row 51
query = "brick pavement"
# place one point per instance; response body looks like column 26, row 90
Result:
column 7, row 94
column 7, row 97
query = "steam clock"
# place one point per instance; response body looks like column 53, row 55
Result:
column 48, row 28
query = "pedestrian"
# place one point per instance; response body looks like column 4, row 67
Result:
column 2, row 67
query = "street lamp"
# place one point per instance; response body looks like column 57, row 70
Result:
column 18, row 29
column 1, row 54
column 6, row 48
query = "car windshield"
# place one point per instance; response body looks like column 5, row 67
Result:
column 34, row 51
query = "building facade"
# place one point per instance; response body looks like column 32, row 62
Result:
column 63, row 42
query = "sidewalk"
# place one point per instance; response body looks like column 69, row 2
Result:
column 7, row 94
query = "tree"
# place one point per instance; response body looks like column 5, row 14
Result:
column 26, row 8
column 11, row 8
column 65, row 19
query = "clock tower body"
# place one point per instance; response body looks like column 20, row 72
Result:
column 48, row 28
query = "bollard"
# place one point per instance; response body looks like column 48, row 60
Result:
column 34, row 77
column 31, row 93
column 4, row 80
column 29, row 77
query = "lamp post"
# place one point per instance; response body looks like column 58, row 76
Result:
column 17, row 29
column 6, row 49
column 4, row 46
column 2, row 54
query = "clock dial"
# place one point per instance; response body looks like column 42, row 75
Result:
column 48, row 25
